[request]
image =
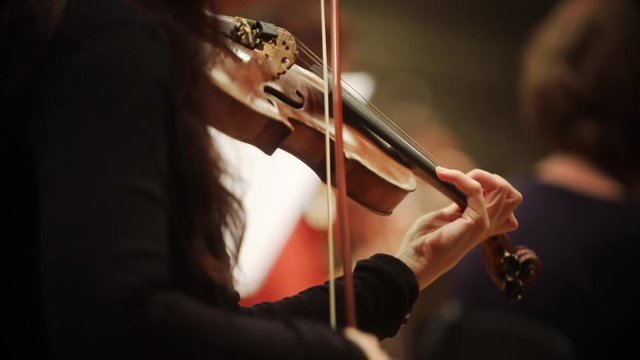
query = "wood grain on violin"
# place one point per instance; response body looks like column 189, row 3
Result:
column 257, row 65
column 287, row 111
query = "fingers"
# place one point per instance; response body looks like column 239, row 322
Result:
column 501, row 198
column 438, row 240
column 368, row 344
column 506, row 226
column 495, row 183
column 427, row 222
column 488, row 194
column 476, row 207
column 464, row 183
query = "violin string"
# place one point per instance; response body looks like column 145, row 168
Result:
column 327, row 138
column 312, row 55
column 309, row 59
column 390, row 127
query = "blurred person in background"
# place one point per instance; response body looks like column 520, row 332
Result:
column 580, row 94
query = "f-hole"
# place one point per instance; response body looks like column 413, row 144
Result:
column 294, row 103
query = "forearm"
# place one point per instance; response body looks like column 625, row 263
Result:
column 385, row 290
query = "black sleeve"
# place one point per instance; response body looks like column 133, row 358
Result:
column 103, row 209
column 385, row 290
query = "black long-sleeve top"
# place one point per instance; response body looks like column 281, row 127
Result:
column 87, row 273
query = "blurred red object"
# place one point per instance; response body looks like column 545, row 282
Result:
column 303, row 263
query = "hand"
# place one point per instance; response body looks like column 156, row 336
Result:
column 369, row 344
column 437, row 241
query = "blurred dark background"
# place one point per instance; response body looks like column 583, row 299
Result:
column 461, row 58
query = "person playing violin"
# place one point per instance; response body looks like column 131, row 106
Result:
column 116, row 200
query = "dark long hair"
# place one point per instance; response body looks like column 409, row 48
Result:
column 204, row 211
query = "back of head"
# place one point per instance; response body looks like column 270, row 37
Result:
column 580, row 85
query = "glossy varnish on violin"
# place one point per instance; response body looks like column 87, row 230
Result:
column 283, row 107
column 288, row 113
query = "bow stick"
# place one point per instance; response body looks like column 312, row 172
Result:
column 342, row 222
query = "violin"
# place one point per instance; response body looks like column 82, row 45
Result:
column 259, row 66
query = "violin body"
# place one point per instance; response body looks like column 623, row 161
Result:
column 287, row 112
column 264, row 98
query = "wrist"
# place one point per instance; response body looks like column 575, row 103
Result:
column 417, row 265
